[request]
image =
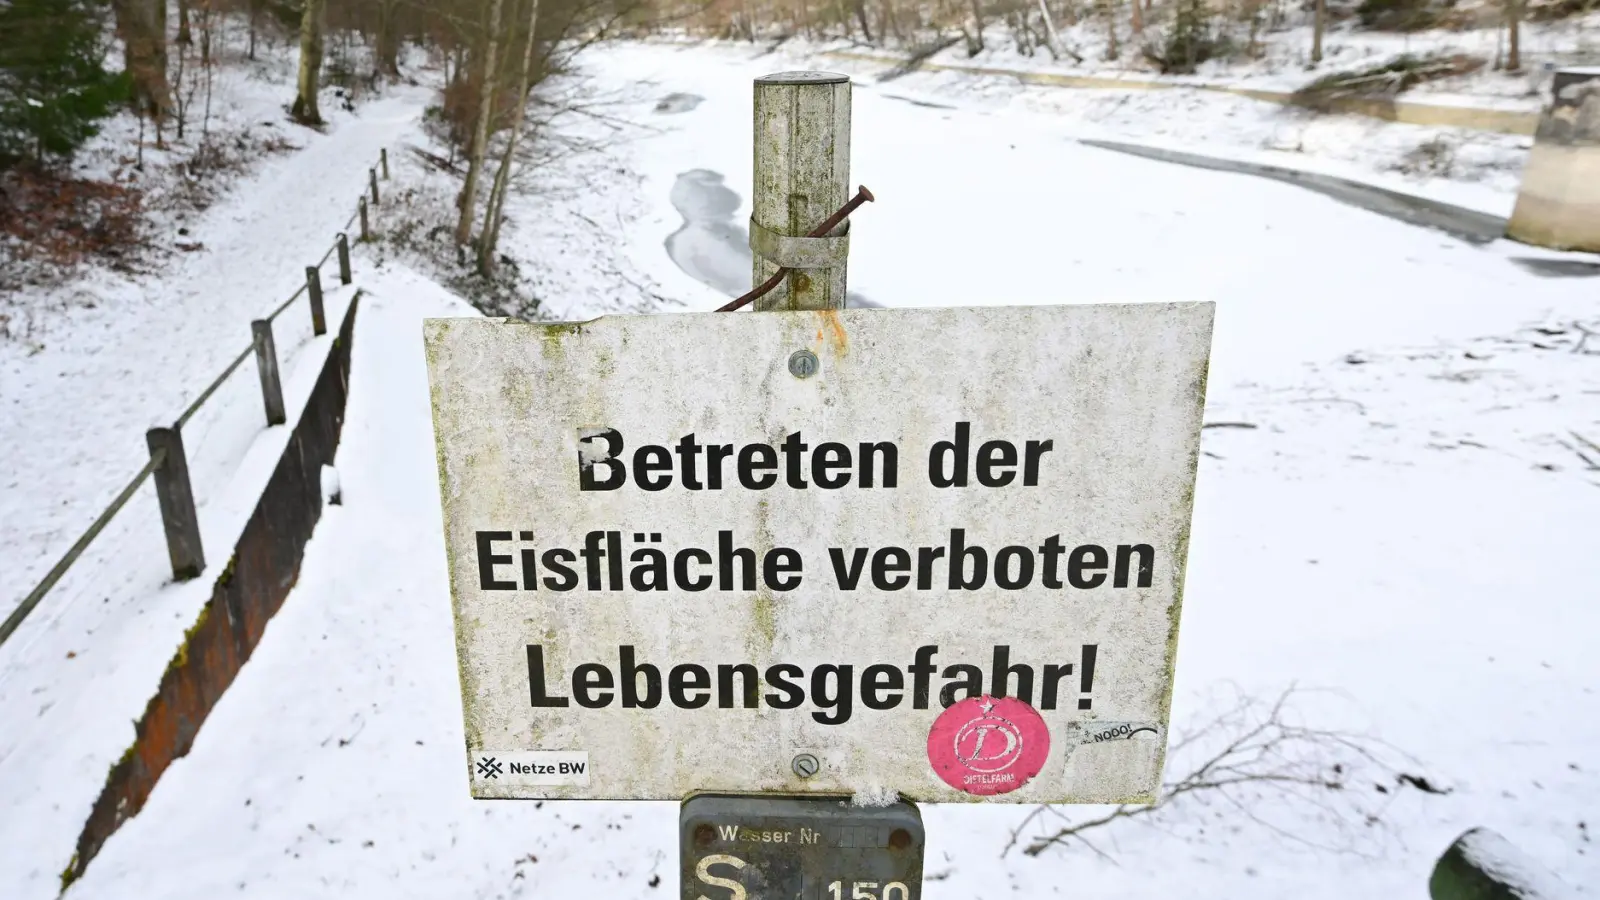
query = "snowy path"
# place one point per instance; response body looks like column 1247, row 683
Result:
column 1403, row 531
column 74, row 414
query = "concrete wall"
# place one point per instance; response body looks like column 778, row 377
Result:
column 263, row 569
column 1502, row 121
column 1558, row 204
column 1467, row 224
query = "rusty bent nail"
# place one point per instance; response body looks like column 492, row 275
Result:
column 862, row 196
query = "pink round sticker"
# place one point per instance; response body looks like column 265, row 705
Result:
column 988, row 745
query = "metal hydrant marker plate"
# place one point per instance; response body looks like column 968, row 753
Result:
column 798, row 848
column 681, row 566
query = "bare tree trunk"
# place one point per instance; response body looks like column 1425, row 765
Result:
column 207, row 63
column 1052, row 38
column 142, row 24
column 1112, row 48
column 975, row 42
column 183, row 23
column 182, row 93
column 480, row 133
column 1513, row 35
column 896, row 26
column 387, row 55
column 1137, row 8
column 205, row 32
column 502, row 177
column 860, row 7
column 1019, row 41
column 305, row 108
column 1318, row 23
column 254, row 13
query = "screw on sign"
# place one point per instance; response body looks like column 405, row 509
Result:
column 803, row 364
column 806, row 765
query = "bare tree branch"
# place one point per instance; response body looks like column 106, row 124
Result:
column 1250, row 755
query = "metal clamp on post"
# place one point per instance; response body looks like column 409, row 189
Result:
column 769, row 240
column 799, row 252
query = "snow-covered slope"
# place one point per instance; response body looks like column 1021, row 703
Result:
column 109, row 355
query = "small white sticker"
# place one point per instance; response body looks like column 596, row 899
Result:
column 1098, row 732
column 531, row 767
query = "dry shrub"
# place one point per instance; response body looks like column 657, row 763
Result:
column 1435, row 157
column 1555, row 10
column 1383, row 81
column 457, row 109
column 54, row 220
column 1256, row 763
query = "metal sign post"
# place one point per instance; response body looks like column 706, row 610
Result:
column 803, row 847
column 779, row 569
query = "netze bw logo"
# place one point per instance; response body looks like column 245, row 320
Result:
column 563, row 768
column 491, row 768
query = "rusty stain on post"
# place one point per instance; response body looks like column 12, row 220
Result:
column 802, row 173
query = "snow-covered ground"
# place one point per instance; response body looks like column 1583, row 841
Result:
column 89, row 364
column 1405, row 533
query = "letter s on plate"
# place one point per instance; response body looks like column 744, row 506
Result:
column 706, row 877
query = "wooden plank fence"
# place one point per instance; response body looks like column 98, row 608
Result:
column 168, row 464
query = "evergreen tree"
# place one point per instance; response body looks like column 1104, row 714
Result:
column 53, row 86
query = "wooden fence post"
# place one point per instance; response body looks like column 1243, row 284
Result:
column 383, row 158
column 802, row 176
column 366, row 235
column 344, row 258
column 319, row 324
column 372, row 179
column 178, row 517
column 267, row 367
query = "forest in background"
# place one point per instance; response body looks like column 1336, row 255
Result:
column 68, row 65
column 1171, row 36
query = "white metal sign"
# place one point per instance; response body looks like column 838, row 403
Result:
column 933, row 552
